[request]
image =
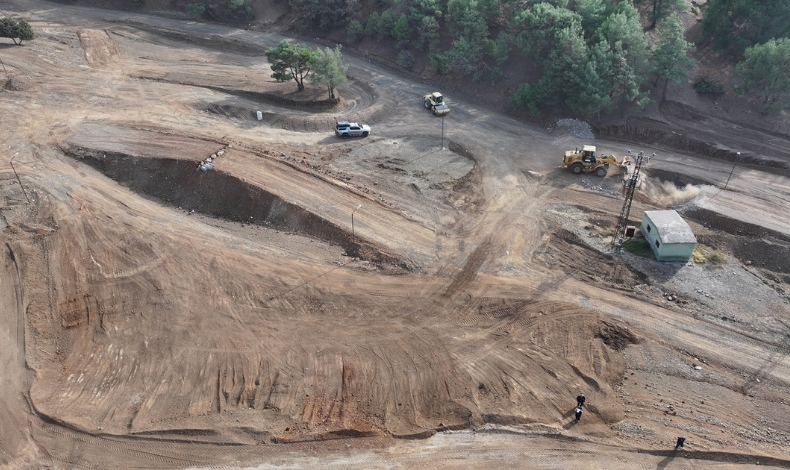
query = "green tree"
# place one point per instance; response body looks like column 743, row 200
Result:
column 592, row 12
column 17, row 31
column 591, row 88
column 536, row 27
column 531, row 96
column 628, row 55
column 467, row 53
column 670, row 59
column 243, row 6
column 326, row 12
column 738, row 24
column 661, row 9
column 554, row 3
column 428, row 33
column 420, row 8
column 290, row 62
column 572, row 76
column 565, row 63
column 587, row 77
column 764, row 71
column 401, row 30
column 372, row 26
column 468, row 18
column 355, row 31
column 328, row 69
column 500, row 47
column 464, row 57
column 196, row 9
column 386, row 23
column 626, row 79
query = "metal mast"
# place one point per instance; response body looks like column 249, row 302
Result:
column 630, row 186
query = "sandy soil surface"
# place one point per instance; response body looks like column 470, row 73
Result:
column 157, row 315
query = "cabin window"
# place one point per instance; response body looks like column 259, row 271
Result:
column 649, row 229
column 657, row 244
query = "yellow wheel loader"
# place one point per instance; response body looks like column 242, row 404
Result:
column 587, row 160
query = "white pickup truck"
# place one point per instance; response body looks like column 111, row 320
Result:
column 347, row 129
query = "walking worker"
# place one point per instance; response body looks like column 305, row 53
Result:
column 578, row 413
column 681, row 441
column 580, row 398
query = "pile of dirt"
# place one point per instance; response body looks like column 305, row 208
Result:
column 17, row 83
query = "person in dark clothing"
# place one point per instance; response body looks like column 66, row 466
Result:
column 578, row 414
column 580, row 398
column 681, row 441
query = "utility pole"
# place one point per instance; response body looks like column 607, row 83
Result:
column 630, row 186
column 353, row 235
column 731, row 171
column 17, row 177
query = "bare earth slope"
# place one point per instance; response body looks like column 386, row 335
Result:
column 157, row 315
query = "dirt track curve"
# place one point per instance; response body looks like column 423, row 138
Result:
column 161, row 316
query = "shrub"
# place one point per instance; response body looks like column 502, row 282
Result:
column 196, row 9
column 706, row 255
column 707, row 84
column 406, row 59
column 356, row 30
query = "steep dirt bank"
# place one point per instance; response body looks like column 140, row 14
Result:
column 757, row 154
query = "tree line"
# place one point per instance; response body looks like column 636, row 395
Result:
column 588, row 56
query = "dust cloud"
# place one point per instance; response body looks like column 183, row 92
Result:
column 665, row 193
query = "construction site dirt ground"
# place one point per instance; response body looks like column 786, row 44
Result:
column 411, row 299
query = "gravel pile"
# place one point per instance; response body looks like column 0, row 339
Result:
column 600, row 185
column 17, row 83
column 629, row 427
column 576, row 128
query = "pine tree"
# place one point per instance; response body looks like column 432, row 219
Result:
column 328, row 69
column 670, row 59
column 764, row 70
column 290, row 62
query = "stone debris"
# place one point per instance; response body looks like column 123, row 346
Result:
column 594, row 185
column 577, row 128
column 208, row 163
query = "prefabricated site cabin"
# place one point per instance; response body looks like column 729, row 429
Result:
column 670, row 237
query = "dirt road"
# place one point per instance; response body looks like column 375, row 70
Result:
column 158, row 315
